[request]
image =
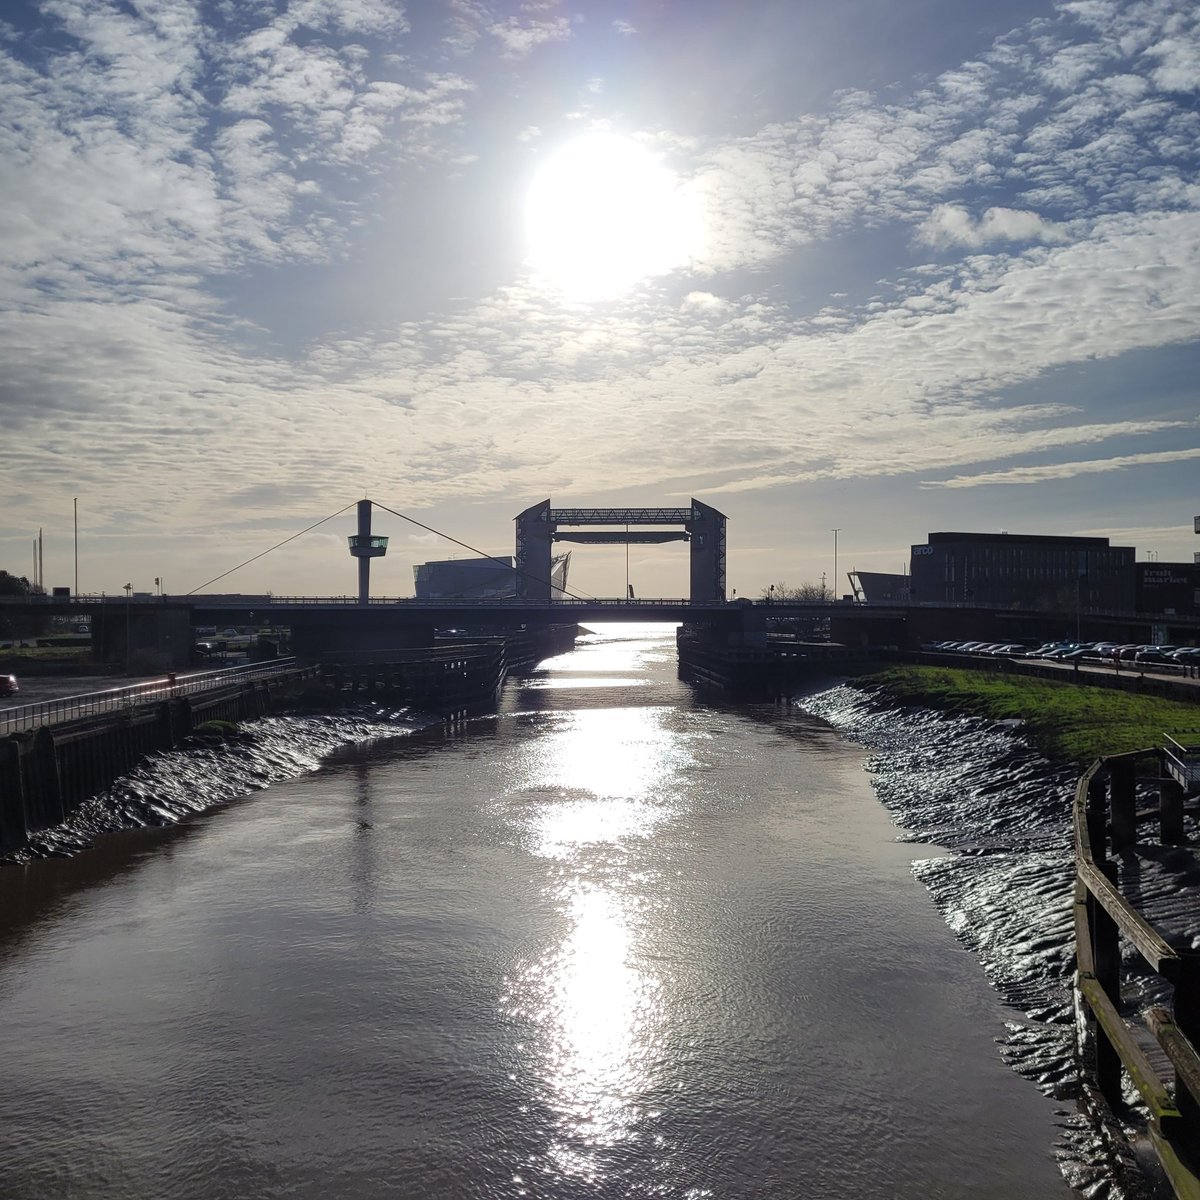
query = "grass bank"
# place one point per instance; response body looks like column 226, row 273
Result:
column 1066, row 721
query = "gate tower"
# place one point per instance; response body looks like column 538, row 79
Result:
column 702, row 526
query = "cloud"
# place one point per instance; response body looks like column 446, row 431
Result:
column 950, row 225
column 705, row 302
column 1066, row 470
column 166, row 172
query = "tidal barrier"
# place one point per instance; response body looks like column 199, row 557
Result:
column 1154, row 1051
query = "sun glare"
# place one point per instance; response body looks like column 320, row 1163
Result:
column 603, row 213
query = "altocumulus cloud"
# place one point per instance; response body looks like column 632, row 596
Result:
column 1039, row 199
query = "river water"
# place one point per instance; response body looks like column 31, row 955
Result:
column 617, row 940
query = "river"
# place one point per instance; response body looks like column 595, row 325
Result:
column 617, row 940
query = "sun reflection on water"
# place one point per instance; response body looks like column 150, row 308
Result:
column 619, row 753
column 600, row 780
column 597, row 1011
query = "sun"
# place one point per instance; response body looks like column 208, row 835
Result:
column 603, row 213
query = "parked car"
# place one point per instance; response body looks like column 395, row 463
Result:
column 1150, row 654
column 9, row 685
column 1075, row 655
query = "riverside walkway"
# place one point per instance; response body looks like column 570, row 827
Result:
column 55, row 711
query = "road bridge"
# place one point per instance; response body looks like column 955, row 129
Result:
column 342, row 623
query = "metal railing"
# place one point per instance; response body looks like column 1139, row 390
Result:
column 1183, row 762
column 70, row 708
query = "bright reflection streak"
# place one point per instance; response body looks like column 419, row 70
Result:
column 583, row 681
column 622, row 753
column 598, row 1012
column 600, row 780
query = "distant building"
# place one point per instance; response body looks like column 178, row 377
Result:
column 878, row 587
column 480, row 578
column 1169, row 589
column 1029, row 571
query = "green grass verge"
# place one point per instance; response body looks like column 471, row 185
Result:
column 46, row 653
column 1068, row 722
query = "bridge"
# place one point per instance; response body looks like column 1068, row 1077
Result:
column 161, row 627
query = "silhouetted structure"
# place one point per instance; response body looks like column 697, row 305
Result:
column 364, row 547
column 538, row 528
column 1016, row 570
column 480, row 578
column 879, row 587
column 1168, row 588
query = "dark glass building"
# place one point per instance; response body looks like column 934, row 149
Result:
column 1018, row 570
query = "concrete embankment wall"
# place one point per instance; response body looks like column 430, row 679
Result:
column 46, row 773
column 769, row 669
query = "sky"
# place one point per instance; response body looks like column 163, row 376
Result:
column 885, row 268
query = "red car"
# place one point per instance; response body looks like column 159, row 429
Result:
column 8, row 685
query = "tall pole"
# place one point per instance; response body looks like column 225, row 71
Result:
column 128, row 595
column 364, row 562
column 835, row 574
column 75, row 510
column 626, row 562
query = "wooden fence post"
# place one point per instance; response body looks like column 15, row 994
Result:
column 1170, row 813
column 1097, row 817
column 1186, row 1013
column 1106, row 961
column 1122, row 773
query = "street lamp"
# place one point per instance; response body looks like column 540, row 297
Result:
column 128, row 596
column 835, row 574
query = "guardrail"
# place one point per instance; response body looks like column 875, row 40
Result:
column 69, row 708
column 1183, row 762
column 492, row 602
column 1105, row 815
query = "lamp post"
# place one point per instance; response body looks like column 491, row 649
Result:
column 128, row 597
column 835, row 574
column 75, row 513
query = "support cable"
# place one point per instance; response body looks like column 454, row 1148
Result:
column 275, row 547
column 482, row 554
